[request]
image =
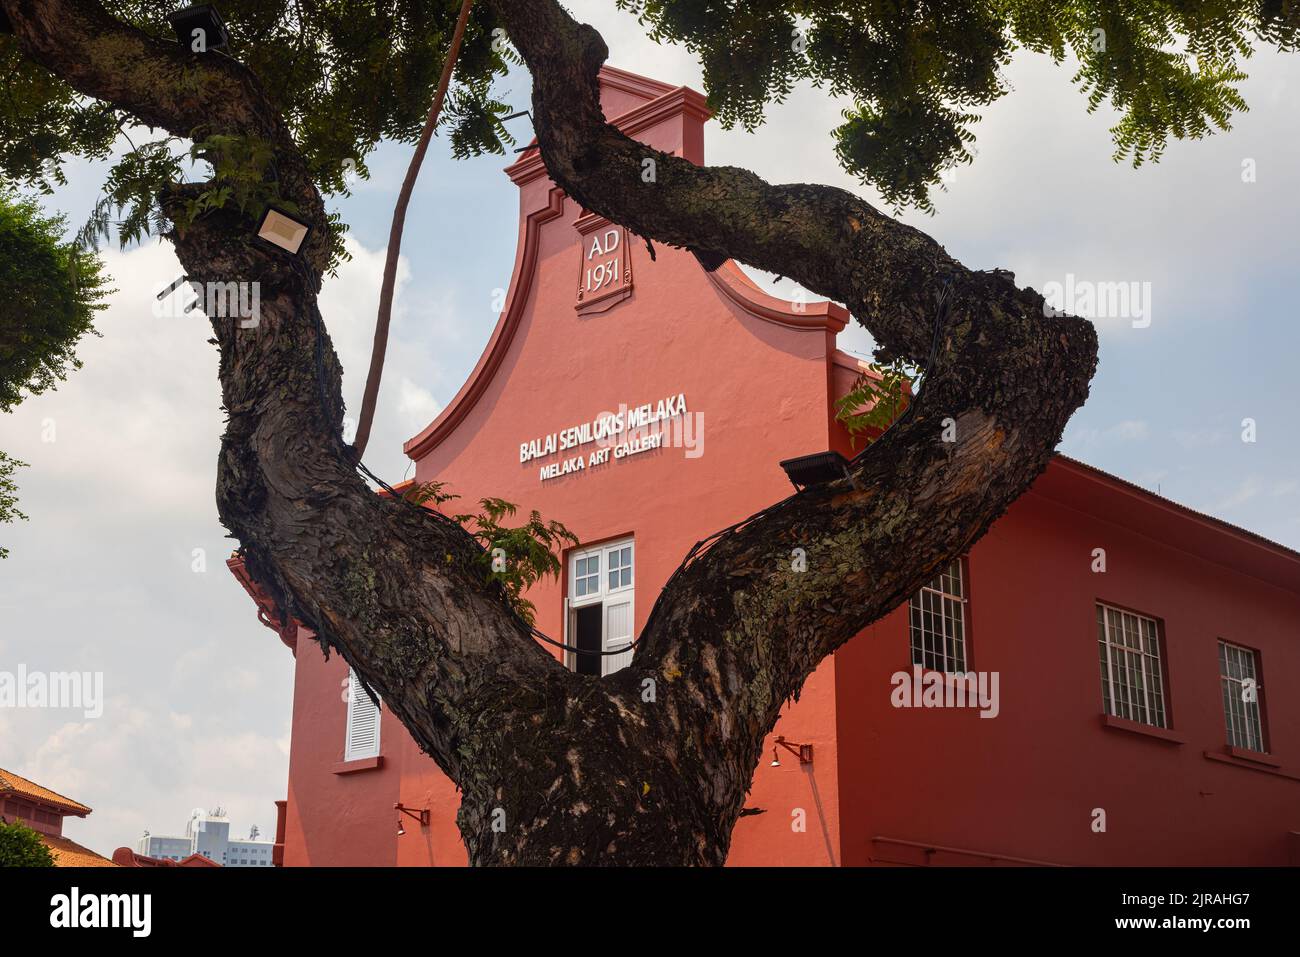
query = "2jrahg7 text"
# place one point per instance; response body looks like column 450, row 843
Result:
column 1196, row 899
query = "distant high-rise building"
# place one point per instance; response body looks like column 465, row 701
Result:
column 208, row 833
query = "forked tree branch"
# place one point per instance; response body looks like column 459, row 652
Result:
column 164, row 86
column 400, row 592
column 741, row 628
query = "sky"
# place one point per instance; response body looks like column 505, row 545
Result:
column 120, row 569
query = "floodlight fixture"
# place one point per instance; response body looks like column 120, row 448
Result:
column 282, row 230
column 200, row 28
column 815, row 469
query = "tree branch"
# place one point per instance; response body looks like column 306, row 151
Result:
column 398, row 590
column 836, row 245
column 163, row 85
column 740, row 628
column 594, row 771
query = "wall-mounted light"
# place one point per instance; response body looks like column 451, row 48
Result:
column 200, row 28
column 803, row 751
column 421, row 814
column 282, row 231
column 815, row 469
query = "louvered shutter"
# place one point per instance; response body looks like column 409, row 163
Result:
column 619, row 584
column 363, row 722
column 618, row 631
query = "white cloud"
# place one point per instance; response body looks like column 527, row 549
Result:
column 1199, row 438
column 1078, row 440
column 1246, row 490
column 1131, row 429
column 199, row 693
column 100, row 577
column 349, row 305
column 140, row 772
column 1253, row 487
column 417, row 404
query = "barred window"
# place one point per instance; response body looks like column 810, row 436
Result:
column 1132, row 680
column 938, row 616
column 1239, row 677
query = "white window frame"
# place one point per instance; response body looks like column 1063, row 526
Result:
column 1119, row 659
column 941, row 602
column 601, row 595
column 357, row 700
column 1243, row 720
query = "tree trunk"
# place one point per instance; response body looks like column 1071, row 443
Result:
column 649, row 765
column 592, row 773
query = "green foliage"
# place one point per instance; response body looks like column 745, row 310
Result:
column 43, row 119
column 131, row 193
column 9, row 494
column 516, row 557
column 474, row 116
column 51, row 292
column 240, row 166
column 344, row 74
column 20, row 846
column 876, row 400
column 918, row 71
column 347, row 74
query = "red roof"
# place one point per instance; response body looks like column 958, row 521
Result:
column 71, row 854
column 19, row 786
column 125, row 857
column 1113, row 499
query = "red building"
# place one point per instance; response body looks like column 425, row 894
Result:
column 26, row 802
column 1132, row 666
column 125, row 857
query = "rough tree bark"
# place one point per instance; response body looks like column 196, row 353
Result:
column 568, row 768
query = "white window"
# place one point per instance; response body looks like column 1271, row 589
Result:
column 586, row 575
column 938, row 622
column 363, row 722
column 1239, row 677
column 602, row 583
column 1132, row 680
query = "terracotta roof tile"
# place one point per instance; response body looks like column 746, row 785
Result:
column 71, row 854
column 125, row 857
column 11, row 783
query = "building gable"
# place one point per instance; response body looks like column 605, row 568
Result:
column 597, row 330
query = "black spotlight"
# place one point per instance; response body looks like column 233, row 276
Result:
column 200, row 28
column 815, row 469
